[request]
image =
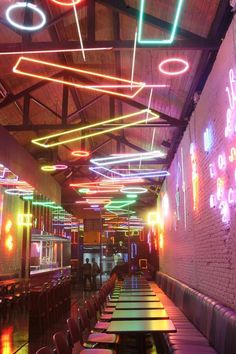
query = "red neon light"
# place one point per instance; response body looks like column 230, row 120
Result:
column 80, row 153
column 173, row 60
column 63, row 3
column 100, row 88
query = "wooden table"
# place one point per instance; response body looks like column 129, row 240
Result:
column 139, row 305
column 140, row 328
column 139, row 314
column 135, row 298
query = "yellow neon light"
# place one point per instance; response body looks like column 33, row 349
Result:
column 46, row 144
column 101, row 88
column 24, row 219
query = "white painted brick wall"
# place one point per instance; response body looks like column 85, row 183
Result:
column 204, row 255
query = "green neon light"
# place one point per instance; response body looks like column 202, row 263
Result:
column 119, row 204
column 45, row 204
column 28, row 197
column 158, row 41
column 134, row 196
column 84, row 190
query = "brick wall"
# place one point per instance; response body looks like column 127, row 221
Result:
column 202, row 253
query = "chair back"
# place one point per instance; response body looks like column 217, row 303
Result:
column 61, row 344
column 74, row 331
column 83, row 318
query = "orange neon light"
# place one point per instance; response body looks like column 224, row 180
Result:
column 9, row 238
column 63, row 3
column 100, row 88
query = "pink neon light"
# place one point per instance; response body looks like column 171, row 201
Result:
column 60, row 167
column 63, row 3
column 80, row 153
column 174, row 60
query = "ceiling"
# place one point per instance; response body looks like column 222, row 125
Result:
column 34, row 107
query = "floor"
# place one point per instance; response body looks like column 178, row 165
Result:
column 14, row 330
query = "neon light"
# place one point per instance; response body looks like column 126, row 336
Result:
column 24, row 220
column 80, row 153
column 118, row 204
column 174, row 60
column 28, row 197
column 231, row 196
column 212, row 201
column 126, row 158
column 48, row 168
column 153, row 218
column 224, row 212
column 220, row 188
column 134, row 56
column 158, row 41
column 18, row 192
column 63, row 3
column 221, row 162
column 232, row 156
column 207, row 139
column 61, row 51
column 33, row 8
column 161, row 241
column 61, row 167
column 177, row 192
column 104, row 88
column 134, row 196
column 212, row 170
column 47, row 204
column 194, row 176
column 123, row 176
column 165, row 204
column 84, row 190
column 184, row 188
column 9, row 238
column 80, row 130
column 135, row 190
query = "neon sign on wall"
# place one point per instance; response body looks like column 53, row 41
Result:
column 194, row 175
column 225, row 195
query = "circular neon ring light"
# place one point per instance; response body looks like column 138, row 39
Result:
column 34, row 8
column 60, row 167
column 13, row 191
column 80, row 153
column 134, row 190
column 63, row 3
column 174, row 60
column 48, row 168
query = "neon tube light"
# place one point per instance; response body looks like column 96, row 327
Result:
column 221, row 162
column 80, row 153
column 104, row 183
column 24, row 220
column 45, row 51
column 126, row 158
column 48, row 168
column 232, row 156
column 174, row 60
column 118, row 204
column 207, row 136
column 115, row 176
column 158, row 41
column 63, row 3
column 138, row 85
column 78, row 29
column 18, row 192
column 33, row 8
column 135, row 190
column 195, row 178
column 153, row 218
column 184, row 188
column 46, row 144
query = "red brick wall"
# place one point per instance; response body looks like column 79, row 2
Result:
column 203, row 254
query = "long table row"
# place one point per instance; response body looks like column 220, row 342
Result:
column 137, row 309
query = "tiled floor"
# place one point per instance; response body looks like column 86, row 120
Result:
column 14, row 331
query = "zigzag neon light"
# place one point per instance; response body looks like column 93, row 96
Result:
column 125, row 158
column 118, row 204
column 100, row 88
column 46, row 144
column 116, row 176
column 158, row 41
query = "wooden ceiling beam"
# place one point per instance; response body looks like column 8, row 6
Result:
column 121, row 6
column 120, row 44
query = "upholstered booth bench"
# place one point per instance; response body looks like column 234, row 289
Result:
column 203, row 325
